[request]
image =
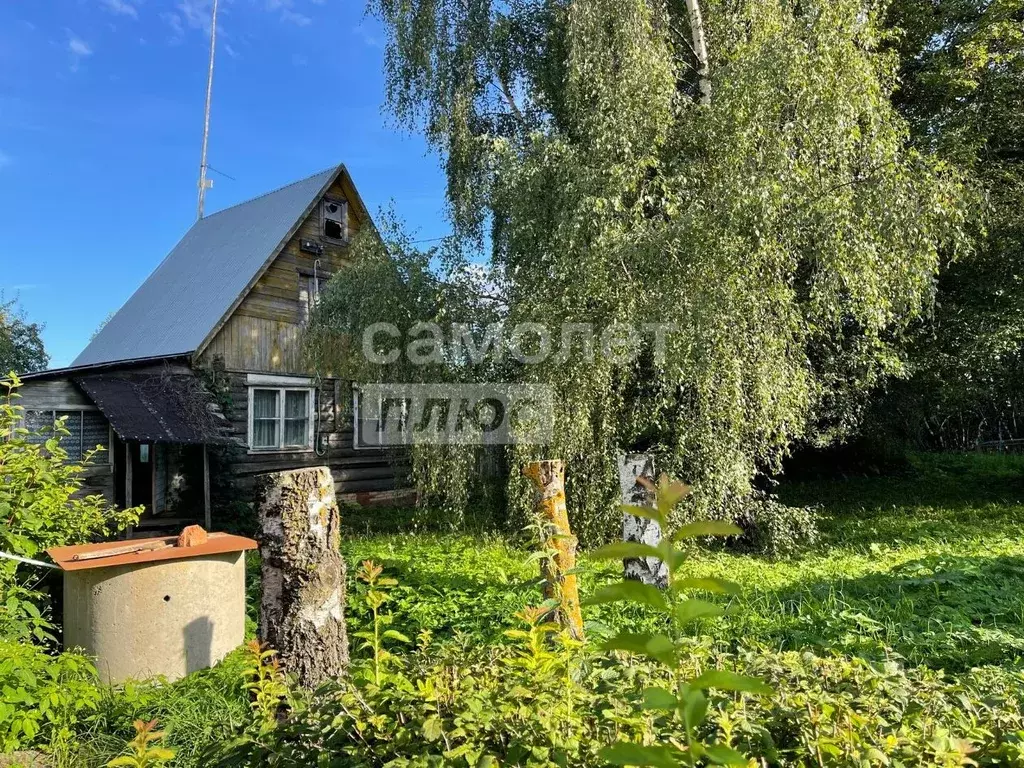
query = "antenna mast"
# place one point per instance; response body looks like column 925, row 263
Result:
column 203, row 183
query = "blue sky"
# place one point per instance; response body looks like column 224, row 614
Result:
column 101, row 122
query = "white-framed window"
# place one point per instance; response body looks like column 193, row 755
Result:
column 334, row 220
column 368, row 424
column 280, row 418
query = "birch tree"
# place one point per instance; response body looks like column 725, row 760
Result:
column 734, row 169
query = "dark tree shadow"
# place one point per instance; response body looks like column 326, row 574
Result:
column 943, row 611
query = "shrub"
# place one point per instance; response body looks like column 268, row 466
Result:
column 45, row 697
column 144, row 750
column 773, row 528
column 40, row 507
column 489, row 706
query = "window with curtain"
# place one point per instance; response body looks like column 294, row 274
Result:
column 280, row 418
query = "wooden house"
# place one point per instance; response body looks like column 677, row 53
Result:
column 198, row 383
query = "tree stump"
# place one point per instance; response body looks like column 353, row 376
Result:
column 548, row 478
column 302, row 614
column 649, row 570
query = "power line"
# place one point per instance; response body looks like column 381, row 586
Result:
column 220, row 173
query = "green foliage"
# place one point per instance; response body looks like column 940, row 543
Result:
column 786, row 231
column 926, row 567
column 40, row 507
column 21, row 342
column 45, row 698
column 961, row 89
column 773, row 528
column 474, row 707
column 542, row 703
column 372, row 590
column 684, row 702
column 207, row 707
column 266, row 682
column 143, row 750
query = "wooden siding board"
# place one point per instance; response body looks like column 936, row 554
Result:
column 53, row 394
column 264, row 332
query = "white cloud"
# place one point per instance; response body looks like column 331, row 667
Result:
column 78, row 47
column 288, row 12
column 230, row 51
column 120, row 7
column 367, row 36
column 298, row 19
column 173, row 20
column 197, row 13
column 191, row 14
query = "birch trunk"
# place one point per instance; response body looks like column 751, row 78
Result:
column 548, row 478
column 700, row 50
column 649, row 570
column 302, row 613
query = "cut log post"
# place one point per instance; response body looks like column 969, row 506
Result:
column 302, row 614
column 649, row 570
column 548, row 478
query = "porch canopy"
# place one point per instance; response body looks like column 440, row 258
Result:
column 155, row 407
column 158, row 408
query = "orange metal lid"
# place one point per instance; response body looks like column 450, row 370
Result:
column 216, row 544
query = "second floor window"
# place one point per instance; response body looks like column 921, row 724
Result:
column 334, row 220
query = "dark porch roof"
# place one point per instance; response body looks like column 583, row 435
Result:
column 155, row 407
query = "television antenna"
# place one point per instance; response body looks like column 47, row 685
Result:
column 204, row 183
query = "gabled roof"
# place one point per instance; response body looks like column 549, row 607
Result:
column 206, row 274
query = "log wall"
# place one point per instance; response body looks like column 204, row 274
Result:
column 363, row 476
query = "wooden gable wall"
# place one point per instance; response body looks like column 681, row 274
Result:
column 263, row 333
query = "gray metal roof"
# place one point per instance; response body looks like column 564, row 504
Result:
column 185, row 298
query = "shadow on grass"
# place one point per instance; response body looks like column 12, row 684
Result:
column 942, row 611
column 943, row 497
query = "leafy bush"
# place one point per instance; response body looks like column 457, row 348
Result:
column 143, row 750
column 40, row 507
column 682, row 706
column 45, row 698
column 772, row 528
column 539, row 704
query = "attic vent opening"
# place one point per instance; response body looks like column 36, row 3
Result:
column 334, row 220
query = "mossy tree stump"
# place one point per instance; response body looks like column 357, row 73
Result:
column 548, row 478
column 302, row 613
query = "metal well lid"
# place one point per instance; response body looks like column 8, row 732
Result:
column 82, row 556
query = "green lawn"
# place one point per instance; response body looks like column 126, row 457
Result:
column 927, row 567
column 923, row 571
